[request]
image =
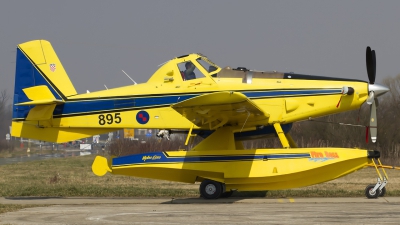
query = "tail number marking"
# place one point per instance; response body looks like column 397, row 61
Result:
column 109, row 118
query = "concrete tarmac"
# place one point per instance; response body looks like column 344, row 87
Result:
column 199, row 211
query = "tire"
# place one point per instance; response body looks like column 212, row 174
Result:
column 226, row 194
column 382, row 192
column 370, row 194
column 210, row 189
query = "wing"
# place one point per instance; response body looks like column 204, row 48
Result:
column 217, row 109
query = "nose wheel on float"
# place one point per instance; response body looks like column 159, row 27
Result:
column 378, row 189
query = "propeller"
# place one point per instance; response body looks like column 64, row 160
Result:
column 371, row 70
column 371, row 65
column 373, row 122
column 375, row 90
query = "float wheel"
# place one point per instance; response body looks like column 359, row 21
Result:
column 210, row 189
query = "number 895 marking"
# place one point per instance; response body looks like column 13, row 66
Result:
column 109, row 118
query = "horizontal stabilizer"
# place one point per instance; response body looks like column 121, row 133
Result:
column 41, row 112
column 42, row 102
column 54, row 134
column 40, row 95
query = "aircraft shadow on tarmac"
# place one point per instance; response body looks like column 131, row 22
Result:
column 236, row 196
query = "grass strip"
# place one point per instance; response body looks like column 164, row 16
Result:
column 15, row 207
column 72, row 177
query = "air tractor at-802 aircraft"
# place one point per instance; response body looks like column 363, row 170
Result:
column 224, row 105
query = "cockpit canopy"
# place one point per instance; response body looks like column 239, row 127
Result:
column 196, row 66
column 185, row 68
column 190, row 70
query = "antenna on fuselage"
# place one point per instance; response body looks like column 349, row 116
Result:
column 106, row 87
column 163, row 63
column 129, row 77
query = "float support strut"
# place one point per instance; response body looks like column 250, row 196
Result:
column 281, row 135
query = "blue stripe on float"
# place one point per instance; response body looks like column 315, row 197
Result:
column 160, row 157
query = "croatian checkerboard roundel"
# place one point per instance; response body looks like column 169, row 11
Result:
column 142, row 117
column 52, row 67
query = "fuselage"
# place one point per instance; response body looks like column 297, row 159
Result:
column 286, row 100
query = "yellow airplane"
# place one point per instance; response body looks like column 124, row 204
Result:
column 223, row 105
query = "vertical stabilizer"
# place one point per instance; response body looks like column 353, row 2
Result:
column 37, row 64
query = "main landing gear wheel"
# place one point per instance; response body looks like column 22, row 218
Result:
column 382, row 192
column 210, row 189
column 372, row 194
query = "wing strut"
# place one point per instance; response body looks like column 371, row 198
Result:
column 281, row 135
column 291, row 141
column 248, row 114
column 190, row 135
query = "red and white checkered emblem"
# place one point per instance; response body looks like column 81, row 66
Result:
column 52, row 67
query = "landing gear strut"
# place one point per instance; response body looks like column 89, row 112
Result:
column 382, row 192
column 378, row 189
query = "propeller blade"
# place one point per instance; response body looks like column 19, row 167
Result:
column 371, row 98
column 371, row 65
column 373, row 122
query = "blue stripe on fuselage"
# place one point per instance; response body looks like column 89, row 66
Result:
column 104, row 105
column 266, row 94
column 89, row 106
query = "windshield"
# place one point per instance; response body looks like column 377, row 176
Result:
column 208, row 66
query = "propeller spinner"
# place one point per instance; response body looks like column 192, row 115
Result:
column 375, row 90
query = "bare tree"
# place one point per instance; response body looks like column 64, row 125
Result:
column 3, row 110
column 5, row 117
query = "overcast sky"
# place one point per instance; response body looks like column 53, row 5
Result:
column 96, row 39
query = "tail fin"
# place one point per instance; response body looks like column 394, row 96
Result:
column 41, row 87
column 40, row 79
